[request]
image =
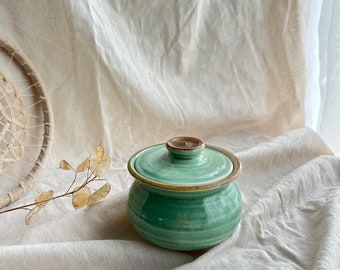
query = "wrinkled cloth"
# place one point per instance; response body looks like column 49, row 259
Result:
column 128, row 75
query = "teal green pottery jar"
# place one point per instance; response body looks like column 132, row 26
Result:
column 183, row 196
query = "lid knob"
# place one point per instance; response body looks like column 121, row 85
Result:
column 185, row 147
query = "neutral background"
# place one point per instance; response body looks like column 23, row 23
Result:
column 133, row 74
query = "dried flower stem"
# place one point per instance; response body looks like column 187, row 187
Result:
column 67, row 193
column 81, row 196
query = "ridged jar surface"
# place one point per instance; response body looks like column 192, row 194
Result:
column 199, row 220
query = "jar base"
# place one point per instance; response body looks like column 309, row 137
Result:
column 185, row 224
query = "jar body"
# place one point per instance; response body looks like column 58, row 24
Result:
column 184, row 220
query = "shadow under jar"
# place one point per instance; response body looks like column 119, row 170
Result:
column 183, row 197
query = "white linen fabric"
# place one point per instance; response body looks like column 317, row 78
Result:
column 132, row 74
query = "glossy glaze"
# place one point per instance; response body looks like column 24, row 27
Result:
column 181, row 222
column 183, row 197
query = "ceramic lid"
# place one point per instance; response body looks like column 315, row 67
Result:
column 184, row 163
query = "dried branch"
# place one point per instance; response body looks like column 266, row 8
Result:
column 81, row 195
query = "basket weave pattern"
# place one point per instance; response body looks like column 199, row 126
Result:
column 16, row 127
column 14, row 124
